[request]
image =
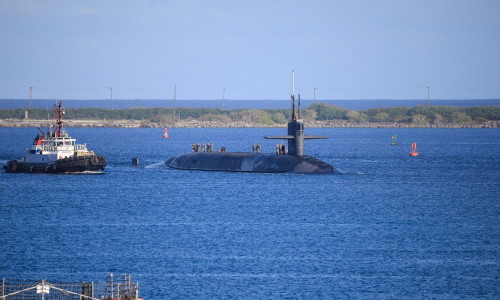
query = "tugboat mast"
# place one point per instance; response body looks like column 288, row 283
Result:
column 60, row 112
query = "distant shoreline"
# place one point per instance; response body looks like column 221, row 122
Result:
column 16, row 123
column 318, row 115
column 241, row 104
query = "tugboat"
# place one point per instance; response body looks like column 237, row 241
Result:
column 291, row 161
column 56, row 152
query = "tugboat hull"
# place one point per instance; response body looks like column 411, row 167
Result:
column 249, row 162
column 74, row 164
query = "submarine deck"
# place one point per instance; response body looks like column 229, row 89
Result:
column 249, row 162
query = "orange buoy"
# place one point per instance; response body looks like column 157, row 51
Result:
column 414, row 150
column 165, row 133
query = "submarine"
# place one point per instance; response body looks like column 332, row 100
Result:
column 291, row 161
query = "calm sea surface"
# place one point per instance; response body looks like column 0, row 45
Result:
column 390, row 227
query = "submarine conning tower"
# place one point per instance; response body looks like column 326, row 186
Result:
column 295, row 135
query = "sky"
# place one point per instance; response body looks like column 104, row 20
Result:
column 339, row 49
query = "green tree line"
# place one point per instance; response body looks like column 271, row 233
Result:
column 317, row 111
column 401, row 114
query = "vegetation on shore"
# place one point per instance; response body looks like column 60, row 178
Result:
column 418, row 115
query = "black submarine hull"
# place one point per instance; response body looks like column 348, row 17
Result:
column 249, row 162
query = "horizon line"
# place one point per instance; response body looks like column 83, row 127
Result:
column 318, row 100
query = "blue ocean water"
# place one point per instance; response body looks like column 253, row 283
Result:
column 239, row 104
column 390, row 227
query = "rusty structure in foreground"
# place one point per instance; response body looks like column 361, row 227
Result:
column 118, row 287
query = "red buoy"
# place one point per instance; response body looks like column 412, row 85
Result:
column 165, row 133
column 414, row 150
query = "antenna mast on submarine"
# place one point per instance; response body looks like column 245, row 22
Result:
column 293, row 95
column 298, row 108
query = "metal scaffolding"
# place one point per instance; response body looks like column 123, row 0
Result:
column 118, row 287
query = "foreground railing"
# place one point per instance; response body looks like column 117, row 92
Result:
column 116, row 288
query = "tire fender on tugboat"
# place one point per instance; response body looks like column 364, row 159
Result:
column 13, row 166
